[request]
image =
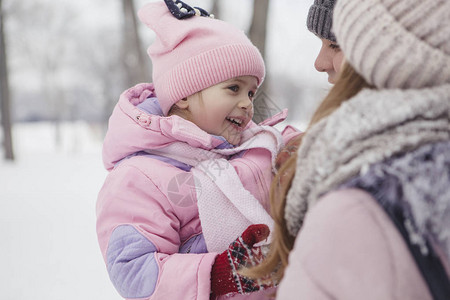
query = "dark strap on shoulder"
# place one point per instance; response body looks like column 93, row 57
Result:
column 384, row 182
column 429, row 265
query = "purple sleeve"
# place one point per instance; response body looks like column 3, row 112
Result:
column 131, row 263
column 195, row 244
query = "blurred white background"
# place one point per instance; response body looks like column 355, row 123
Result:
column 65, row 76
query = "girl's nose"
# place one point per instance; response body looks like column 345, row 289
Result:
column 245, row 103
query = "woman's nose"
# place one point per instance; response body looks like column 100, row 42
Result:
column 323, row 62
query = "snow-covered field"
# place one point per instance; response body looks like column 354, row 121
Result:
column 49, row 248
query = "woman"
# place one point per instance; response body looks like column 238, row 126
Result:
column 320, row 18
column 329, row 59
column 365, row 206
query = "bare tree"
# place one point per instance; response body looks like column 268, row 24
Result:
column 258, row 27
column 5, row 96
column 52, row 61
column 215, row 10
column 44, row 49
column 263, row 106
column 135, row 65
column 104, row 69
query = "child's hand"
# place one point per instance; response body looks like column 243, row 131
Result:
column 288, row 150
column 241, row 253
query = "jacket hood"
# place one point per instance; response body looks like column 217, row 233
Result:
column 133, row 128
column 136, row 126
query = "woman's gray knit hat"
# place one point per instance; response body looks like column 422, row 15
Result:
column 396, row 43
column 320, row 18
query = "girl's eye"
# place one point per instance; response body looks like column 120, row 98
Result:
column 251, row 94
column 234, row 88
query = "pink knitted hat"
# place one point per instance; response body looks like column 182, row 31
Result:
column 192, row 54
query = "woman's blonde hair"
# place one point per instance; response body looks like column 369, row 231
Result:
column 348, row 85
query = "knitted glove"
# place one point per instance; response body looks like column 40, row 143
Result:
column 240, row 253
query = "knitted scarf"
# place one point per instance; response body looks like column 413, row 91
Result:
column 371, row 127
column 225, row 207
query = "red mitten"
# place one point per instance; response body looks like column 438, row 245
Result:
column 241, row 253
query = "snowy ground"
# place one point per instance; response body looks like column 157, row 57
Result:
column 49, row 247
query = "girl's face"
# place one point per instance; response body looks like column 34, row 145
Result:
column 329, row 60
column 224, row 109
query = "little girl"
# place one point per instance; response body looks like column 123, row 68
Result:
column 189, row 170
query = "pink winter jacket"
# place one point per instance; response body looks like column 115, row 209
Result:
column 327, row 263
column 148, row 222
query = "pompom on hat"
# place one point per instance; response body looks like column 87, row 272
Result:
column 191, row 54
column 320, row 19
column 396, row 43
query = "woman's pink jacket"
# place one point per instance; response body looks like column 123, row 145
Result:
column 347, row 247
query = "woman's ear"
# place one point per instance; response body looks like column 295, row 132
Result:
column 183, row 103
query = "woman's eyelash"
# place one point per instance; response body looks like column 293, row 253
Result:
column 335, row 46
